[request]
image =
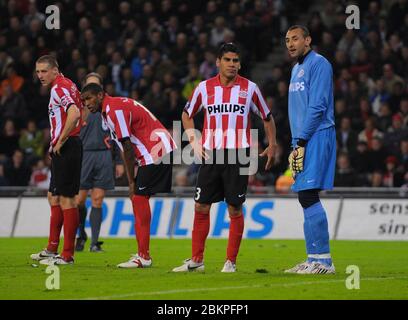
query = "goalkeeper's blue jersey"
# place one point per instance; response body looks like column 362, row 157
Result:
column 311, row 97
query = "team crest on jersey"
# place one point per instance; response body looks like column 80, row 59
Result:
column 301, row 73
column 243, row 94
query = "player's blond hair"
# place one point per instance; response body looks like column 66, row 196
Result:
column 51, row 60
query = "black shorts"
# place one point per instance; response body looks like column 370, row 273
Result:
column 154, row 178
column 217, row 182
column 66, row 169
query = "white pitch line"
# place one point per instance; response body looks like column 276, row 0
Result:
column 294, row 284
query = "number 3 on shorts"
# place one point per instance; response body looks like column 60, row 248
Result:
column 198, row 191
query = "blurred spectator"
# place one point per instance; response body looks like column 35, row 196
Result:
column 190, row 82
column 32, row 141
column 12, row 104
column 346, row 136
column 13, row 79
column 345, row 175
column 284, row 182
column 40, row 176
column 370, row 132
column 378, row 154
column 376, row 179
column 8, row 139
column 16, row 171
column 3, row 180
column 403, row 155
column 395, row 134
column 208, row 68
column 390, row 78
column 392, row 178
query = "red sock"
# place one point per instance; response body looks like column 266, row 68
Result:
column 71, row 222
column 201, row 228
column 143, row 216
column 56, row 222
column 235, row 235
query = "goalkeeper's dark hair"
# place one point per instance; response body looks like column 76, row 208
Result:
column 227, row 47
column 306, row 32
column 93, row 88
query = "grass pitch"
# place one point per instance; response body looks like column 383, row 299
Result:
column 383, row 272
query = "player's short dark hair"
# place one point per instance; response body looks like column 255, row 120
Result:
column 93, row 88
column 51, row 60
column 93, row 74
column 227, row 47
column 305, row 30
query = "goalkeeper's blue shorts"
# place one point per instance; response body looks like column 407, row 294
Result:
column 319, row 163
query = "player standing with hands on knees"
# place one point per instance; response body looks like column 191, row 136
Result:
column 227, row 100
column 64, row 112
column 145, row 143
column 313, row 159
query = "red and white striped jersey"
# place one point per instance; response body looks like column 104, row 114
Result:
column 63, row 94
column 227, row 117
column 128, row 118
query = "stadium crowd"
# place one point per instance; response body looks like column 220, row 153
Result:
column 157, row 51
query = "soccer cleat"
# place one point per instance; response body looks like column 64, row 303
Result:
column 96, row 247
column 44, row 254
column 136, row 262
column 80, row 244
column 189, row 266
column 229, row 266
column 57, row 260
column 299, row 267
column 319, row 268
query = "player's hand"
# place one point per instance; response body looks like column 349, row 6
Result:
column 57, row 148
column 119, row 170
column 296, row 158
column 270, row 153
column 199, row 151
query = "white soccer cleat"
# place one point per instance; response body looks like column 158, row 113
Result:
column 299, row 267
column 319, row 268
column 57, row 260
column 189, row 266
column 136, row 262
column 229, row 267
column 44, row 254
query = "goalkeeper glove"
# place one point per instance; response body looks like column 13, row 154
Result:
column 296, row 159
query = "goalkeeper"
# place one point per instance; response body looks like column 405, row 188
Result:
column 313, row 157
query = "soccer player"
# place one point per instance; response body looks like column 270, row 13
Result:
column 313, row 159
column 96, row 172
column 139, row 134
column 227, row 100
column 64, row 111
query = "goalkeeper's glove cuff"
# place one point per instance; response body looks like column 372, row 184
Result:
column 301, row 142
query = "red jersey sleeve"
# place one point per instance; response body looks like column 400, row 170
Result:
column 195, row 103
column 258, row 104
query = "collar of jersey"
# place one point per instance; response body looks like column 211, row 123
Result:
column 235, row 82
column 302, row 58
column 58, row 77
column 105, row 102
